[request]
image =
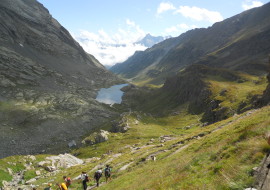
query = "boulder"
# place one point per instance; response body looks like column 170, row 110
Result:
column 30, row 157
column 38, row 173
column 97, row 137
column 102, row 136
column 50, row 168
column 64, row 160
column 53, row 163
column 43, row 164
column 10, row 171
column 5, row 183
column 30, row 181
column 121, row 126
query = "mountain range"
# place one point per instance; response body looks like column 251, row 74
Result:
column 196, row 115
column 238, row 43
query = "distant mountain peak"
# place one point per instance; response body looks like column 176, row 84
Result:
column 150, row 40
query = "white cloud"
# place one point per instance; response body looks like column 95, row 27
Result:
column 249, row 4
column 199, row 14
column 171, row 29
column 163, row 7
column 111, row 49
column 130, row 23
column 179, row 28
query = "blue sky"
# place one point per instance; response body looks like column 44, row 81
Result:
column 108, row 29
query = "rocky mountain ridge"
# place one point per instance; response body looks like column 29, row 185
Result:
column 48, row 82
column 227, row 44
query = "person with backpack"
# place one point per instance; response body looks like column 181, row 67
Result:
column 107, row 172
column 98, row 175
column 85, row 179
column 67, row 181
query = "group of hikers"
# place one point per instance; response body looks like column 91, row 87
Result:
column 84, row 178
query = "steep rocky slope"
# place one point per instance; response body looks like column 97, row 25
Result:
column 239, row 43
column 48, row 82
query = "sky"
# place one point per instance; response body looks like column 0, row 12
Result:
column 109, row 29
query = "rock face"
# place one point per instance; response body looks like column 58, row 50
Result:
column 48, row 82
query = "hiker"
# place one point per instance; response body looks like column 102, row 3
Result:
column 67, row 181
column 107, row 172
column 98, row 175
column 62, row 186
column 85, row 179
column 49, row 187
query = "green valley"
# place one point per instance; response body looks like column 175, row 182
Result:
column 195, row 113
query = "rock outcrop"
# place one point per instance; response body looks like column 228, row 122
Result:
column 121, row 126
column 96, row 137
column 53, row 163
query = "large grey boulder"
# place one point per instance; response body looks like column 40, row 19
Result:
column 97, row 137
column 121, row 126
column 53, row 163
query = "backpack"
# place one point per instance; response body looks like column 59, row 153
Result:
column 86, row 178
column 107, row 171
column 98, row 174
column 68, row 181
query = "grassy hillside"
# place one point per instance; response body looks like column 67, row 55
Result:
column 222, row 159
column 162, row 122
column 189, row 156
